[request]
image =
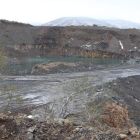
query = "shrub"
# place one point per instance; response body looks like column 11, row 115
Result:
column 115, row 115
column 8, row 93
column 3, row 57
column 62, row 64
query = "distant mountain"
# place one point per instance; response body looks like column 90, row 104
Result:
column 123, row 24
column 79, row 21
column 76, row 21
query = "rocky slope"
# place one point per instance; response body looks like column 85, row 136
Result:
column 24, row 128
column 70, row 41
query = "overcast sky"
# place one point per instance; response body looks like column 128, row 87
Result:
column 42, row 11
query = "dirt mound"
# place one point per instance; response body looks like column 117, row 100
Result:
column 51, row 66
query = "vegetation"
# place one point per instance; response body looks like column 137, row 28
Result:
column 8, row 93
column 95, row 25
column 98, row 110
column 62, row 64
column 69, row 104
column 112, row 114
column 116, row 115
column 75, row 104
column 3, row 57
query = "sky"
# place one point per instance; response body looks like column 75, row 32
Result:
column 42, row 11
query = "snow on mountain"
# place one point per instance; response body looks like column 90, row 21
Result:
column 123, row 24
column 79, row 21
column 76, row 21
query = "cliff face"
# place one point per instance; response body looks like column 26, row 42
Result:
column 71, row 41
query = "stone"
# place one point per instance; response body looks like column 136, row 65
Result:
column 67, row 138
column 77, row 129
column 134, row 133
column 62, row 121
column 133, row 129
column 30, row 116
column 123, row 136
column 28, row 136
column 115, row 84
column 82, row 138
column 21, row 116
column 31, row 129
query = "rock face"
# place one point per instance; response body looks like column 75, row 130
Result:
column 70, row 41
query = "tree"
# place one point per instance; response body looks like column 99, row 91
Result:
column 95, row 25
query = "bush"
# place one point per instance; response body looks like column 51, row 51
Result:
column 115, row 115
column 3, row 57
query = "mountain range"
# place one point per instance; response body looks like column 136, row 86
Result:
column 85, row 21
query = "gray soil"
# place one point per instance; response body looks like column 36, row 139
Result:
column 128, row 93
column 40, row 90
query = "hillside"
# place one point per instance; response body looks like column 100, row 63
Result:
column 80, row 41
column 7, row 24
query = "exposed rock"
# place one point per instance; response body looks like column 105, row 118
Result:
column 70, row 41
column 62, row 121
column 134, row 131
column 31, row 129
column 123, row 136
column 28, row 136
